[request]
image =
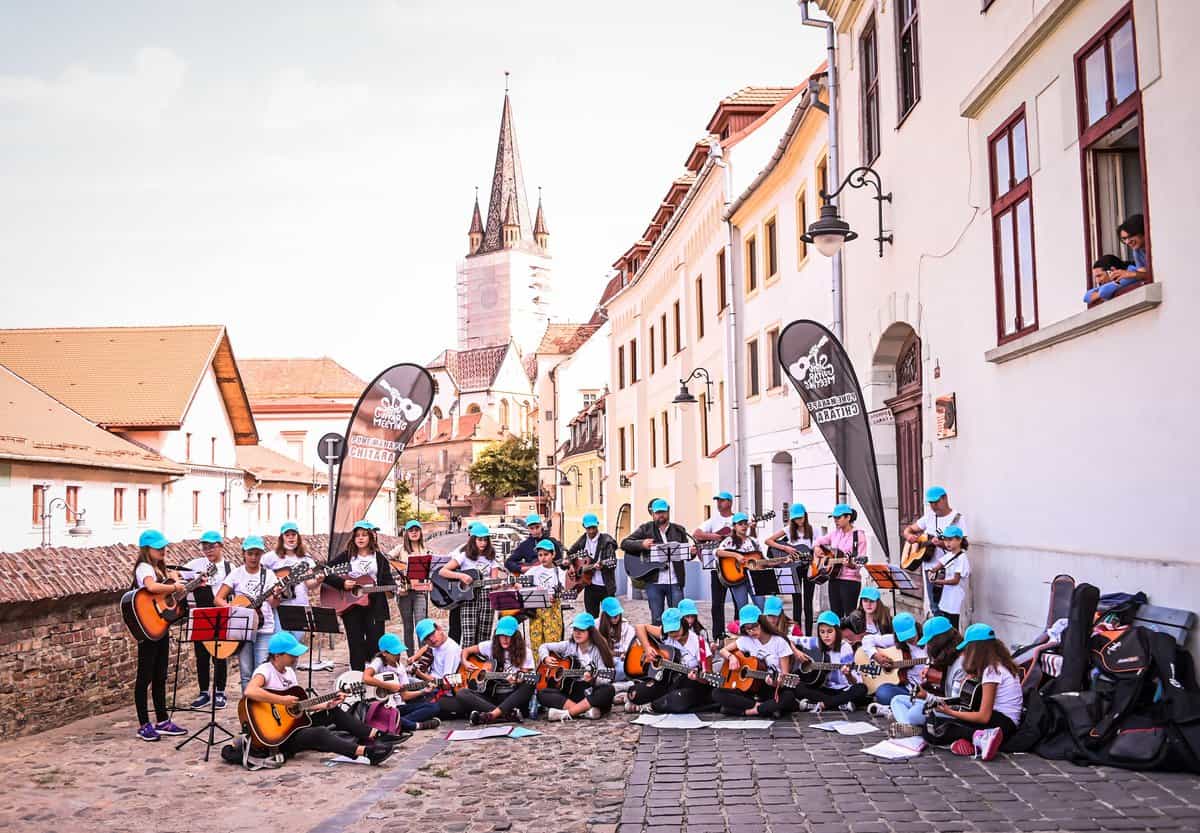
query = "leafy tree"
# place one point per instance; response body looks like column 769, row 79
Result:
column 506, row 468
column 405, row 509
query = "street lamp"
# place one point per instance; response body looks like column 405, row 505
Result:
column 79, row 530
column 830, row 232
column 684, row 397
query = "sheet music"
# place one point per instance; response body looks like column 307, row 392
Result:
column 670, row 551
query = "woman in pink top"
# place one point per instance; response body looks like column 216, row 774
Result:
column 845, row 585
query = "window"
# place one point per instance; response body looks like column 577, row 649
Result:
column 704, row 449
column 662, row 331
column 620, row 375
column 589, row 398
column 632, row 446
column 751, row 264
column 752, row 368
column 39, row 503
column 678, row 328
column 268, row 507
column 722, row 301
column 213, row 451
column 296, row 448
column 653, row 444
column 196, row 510
column 72, row 504
column 621, row 453
column 1012, row 229
column 823, row 178
column 908, row 59
column 651, row 364
column 548, row 416
column 1111, row 141
column 868, row 61
column 756, row 487
column 772, row 248
column 666, row 432
column 774, row 368
column 700, row 307
column 221, row 510
column 550, row 460
column 118, row 506
column 187, row 447
column 143, row 505
column 633, row 374
column 801, row 226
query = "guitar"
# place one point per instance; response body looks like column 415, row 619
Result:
column 150, row 615
column 449, row 594
column 969, row 698
column 639, row 664
column 371, row 692
column 822, row 566
column 481, row 675
column 875, row 675
column 343, row 600
column 271, row 724
column 752, row 673
column 580, row 570
column 733, row 571
column 554, row 671
column 916, row 552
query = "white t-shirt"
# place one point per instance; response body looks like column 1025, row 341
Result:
column 931, row 523
column 380, row 668
column 145, row 572
column 812, row 646
column 873, row 642
column 689, row 649
column 276, row 680
column 251, row 585
column 953, row 595
column 460, row 563
column 547, row 578
column 447, row 659
column 485, row 651
column 748, row 545
column 570, row 648
column 628, row 634
column 770, row 652
column 299, row 595
column 364, row 565
column 590, row 545
column 716, row 523
column 199, row 566
column 1008, row 692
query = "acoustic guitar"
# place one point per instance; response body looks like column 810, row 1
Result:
column 968, row 698
column 875, row 675
column 150, row 615
column 360, row 596
column 916, row 552
column 581, row 569
column 640, row 665
column 271, row 724
column 752, row 673
column 734, row 571
column 481, row 675
column 555, row 670
column 822, row 567
column 450, row 594
column 371, row 692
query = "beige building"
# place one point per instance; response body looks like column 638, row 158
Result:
column 582, row 459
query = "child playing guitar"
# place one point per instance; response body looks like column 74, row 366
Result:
column 758, row 640
column 416, row 709
column 584, row 697
column 506, row 653
column 150, row 573
column 839, row 689
column 673, row 693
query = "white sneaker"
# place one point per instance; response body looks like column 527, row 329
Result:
column 802, row 705
column 879, row 710
column 561, row 715
column 987, row 743
column 846, row 707
column 302, row 666
column 817, row 708
column 594, row 713
column 634, row 708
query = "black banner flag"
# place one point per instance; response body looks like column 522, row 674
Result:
column 387, row 415
column 821, row 371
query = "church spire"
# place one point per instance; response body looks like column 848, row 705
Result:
column 540, row 234
column 475, row 235
column 508, row 187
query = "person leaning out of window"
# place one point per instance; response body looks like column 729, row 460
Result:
column 1110, row 274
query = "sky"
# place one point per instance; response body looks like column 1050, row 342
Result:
column 303, row 172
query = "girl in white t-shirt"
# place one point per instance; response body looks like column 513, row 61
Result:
column 759, row 640
column 506, row 653
column 840, row 689
column 407, row 710
column 673, row 693
column 793, row 540
column 953, row 588
column 987, row 660
column 619, row 633
column 150, row 574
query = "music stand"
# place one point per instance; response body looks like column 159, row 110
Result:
column 217, row 625
column 419, row 567
column 773, row 581
column 311, row 620
column 890, row 577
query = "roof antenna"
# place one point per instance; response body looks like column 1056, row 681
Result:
column 506, row 74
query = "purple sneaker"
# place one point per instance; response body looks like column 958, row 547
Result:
column 147, row 732
column 167, row 727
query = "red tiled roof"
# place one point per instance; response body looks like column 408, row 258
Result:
column 272, row 467
column 278, row 378
column 768, row 96
column 473, row 369
column 564, row 339
column 477, row 426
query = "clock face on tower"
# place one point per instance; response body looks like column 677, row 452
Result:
column 488, row 296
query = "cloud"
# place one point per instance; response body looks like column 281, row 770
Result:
column 295, row 100
column 138, row 97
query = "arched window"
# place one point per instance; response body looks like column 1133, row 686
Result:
column 504, row 413
column 472, row 409
column 437, row 412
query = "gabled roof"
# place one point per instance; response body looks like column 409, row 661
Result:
column 564, row 339
column 321, row 378
column 508, row 186
column 477, row 426
column 269, row 466
column 36, row 427
column 131, row 378
column 474, row 369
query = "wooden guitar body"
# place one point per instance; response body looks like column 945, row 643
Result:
column 271, row 724
column 915, row 552
column 640, row 665
column 551, row 671
column 740, row 679
column 150, row 615
column 343, row 600
column 875, row 675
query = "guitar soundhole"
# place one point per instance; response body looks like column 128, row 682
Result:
column 275, row 714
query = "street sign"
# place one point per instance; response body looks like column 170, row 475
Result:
column 330, row 447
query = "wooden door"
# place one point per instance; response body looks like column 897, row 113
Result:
column 906, row 409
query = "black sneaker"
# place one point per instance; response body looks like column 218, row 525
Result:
column 390, row 739
column 377, row 753
column 220, row 697
column 201, row 701
column 431, row 723
column 481, row 718
column 514, row 716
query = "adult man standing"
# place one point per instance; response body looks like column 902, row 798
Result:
column 664, row 584
column 939, row 516
column 713, row 531
column 524, row 555
column 596, row 546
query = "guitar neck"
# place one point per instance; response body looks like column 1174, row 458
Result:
column 312, row 702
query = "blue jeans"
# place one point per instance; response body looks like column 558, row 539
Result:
column 907, row 710
column 1106, row 290
column 252, row 654
column 658, row 596
column 416, row 711
column 888, row 691
column 741, row 597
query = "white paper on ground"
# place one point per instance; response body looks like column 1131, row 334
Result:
column 479, row 734
column 671, row 721
column 342, row 759
column 742, row 724
column 897, row 748
column 827, row 725
column 850, row 727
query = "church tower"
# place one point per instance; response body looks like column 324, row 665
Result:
column 504, row 283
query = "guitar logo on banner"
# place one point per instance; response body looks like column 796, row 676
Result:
column 822, row 374
column 383, row 422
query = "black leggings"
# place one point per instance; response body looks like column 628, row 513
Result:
column 204, row 659
column 831, row 698
column 843, row 595
column 599, row 696
column 770, row 701
column 593, row 595
column 152, row 671
column 802, row 603
column 943, row 732
column 465, row 701
column 362, row 633
column 719, row 591
column 320, row 738
column 670, row 696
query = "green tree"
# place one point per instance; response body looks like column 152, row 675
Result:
column 405, row 508
column 507, row 468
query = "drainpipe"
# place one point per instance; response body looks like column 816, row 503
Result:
column 832, row 120
column 732, row 338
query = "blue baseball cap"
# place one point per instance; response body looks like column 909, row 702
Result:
column 211, row 537
column 740, row 518
column 479, row 530
column 612, row 606
column 773, row 606
column 545, row 545
column 671, row 620
column 952, row 531
column 533, row 518
column 506, row 626
column 284, row 643
column 583, row 621
column 936, row 626
column 904, row 626
column 413, row 524
column 979, row 632
column 254, row 542
column 392, row 644
column 934, row 493
column 367, row 525
column 828, row 617
column 153, row 538
column 590, row 520
column 660, row 505
column 424, row 628
column 870, row 593
column 723, row 496
column 688, row 608
column 290, row 526
column 841, row 509
column 749, row 615
column 796, row 510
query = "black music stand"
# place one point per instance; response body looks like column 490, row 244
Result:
column 668, row 553
column 773, row 581
column 890, row 577
column 311, row 620
column 179, row 640
column 216, row 625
